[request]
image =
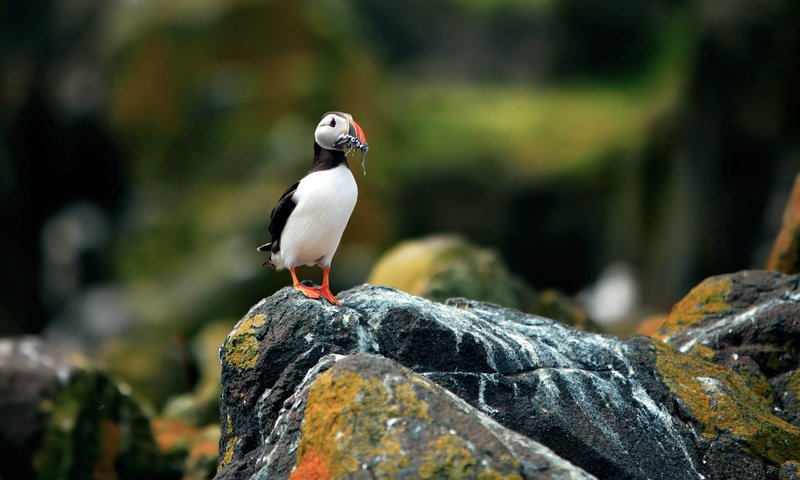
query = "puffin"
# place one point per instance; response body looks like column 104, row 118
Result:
column 307, row 223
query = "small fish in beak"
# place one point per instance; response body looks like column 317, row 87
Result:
column 355, row 139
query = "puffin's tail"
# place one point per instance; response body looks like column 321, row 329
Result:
column 267, row 247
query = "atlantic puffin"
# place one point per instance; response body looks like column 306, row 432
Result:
column 307, row 223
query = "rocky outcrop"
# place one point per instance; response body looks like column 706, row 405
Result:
column 299, row 395
column 63, row 420
column 740, row 382
column 365, row 414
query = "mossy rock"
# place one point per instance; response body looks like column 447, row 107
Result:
column 745, row 321
column 721, row 402
column 710, row 297
column 447, row 266
column 75, row 422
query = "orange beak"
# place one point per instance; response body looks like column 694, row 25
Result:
column 356, row 131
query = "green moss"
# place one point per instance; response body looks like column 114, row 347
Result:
column 241, row 348
column 710, row 297
column 722, row 400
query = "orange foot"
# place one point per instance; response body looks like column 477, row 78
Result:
column 325, row 291
column 309, row 292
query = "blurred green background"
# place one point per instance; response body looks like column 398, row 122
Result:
column 645, row 142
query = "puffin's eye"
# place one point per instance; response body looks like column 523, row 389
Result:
column 333, row 122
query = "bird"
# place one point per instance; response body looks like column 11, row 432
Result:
column 307, row 223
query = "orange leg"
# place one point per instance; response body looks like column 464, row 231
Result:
column 309, row 292
column 325, row 291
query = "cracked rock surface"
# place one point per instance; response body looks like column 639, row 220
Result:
column 534, row 398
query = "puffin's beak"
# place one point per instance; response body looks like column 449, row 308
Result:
column 356, row 131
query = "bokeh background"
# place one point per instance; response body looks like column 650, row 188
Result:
column 634, row 146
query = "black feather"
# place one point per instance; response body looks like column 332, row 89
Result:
column 278, row 217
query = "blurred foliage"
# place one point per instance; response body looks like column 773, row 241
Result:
column 564, row 134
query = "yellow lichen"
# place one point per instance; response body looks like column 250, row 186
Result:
column 241, row 349
column 450, row 456
column 703, row 352
column 227, row 457
column 347, row 413
column 708, row 298
column 723, row 400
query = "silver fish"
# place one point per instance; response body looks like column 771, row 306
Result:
column 352, row 144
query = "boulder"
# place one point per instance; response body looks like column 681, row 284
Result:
column 365, row 415
column 595, row 401
column 61, row 419
column 740, row 383
column 749, row 322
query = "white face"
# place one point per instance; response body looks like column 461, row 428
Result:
column 330, row 127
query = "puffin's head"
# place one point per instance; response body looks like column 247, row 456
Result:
column 338, row 131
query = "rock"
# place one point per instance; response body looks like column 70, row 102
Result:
column 750, row 322
column 790, row 470
column 63, row 420
column 785, row 254
column 732, row 413
column 365, row 414
column 446, row 266
column 595, row 401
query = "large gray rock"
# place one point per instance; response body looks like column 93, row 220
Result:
column 366, row 415
column 594, row 400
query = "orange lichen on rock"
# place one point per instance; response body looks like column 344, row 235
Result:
column 311, row 468
column 708, row 298
column 785, row 254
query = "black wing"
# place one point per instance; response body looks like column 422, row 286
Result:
column 278, row 217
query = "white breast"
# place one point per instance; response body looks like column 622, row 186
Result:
column 324, row 202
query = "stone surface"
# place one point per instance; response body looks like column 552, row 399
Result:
column 364, row 415
column 750, row 322
column 593, row 400
column 785, row 254
column 62, row 420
